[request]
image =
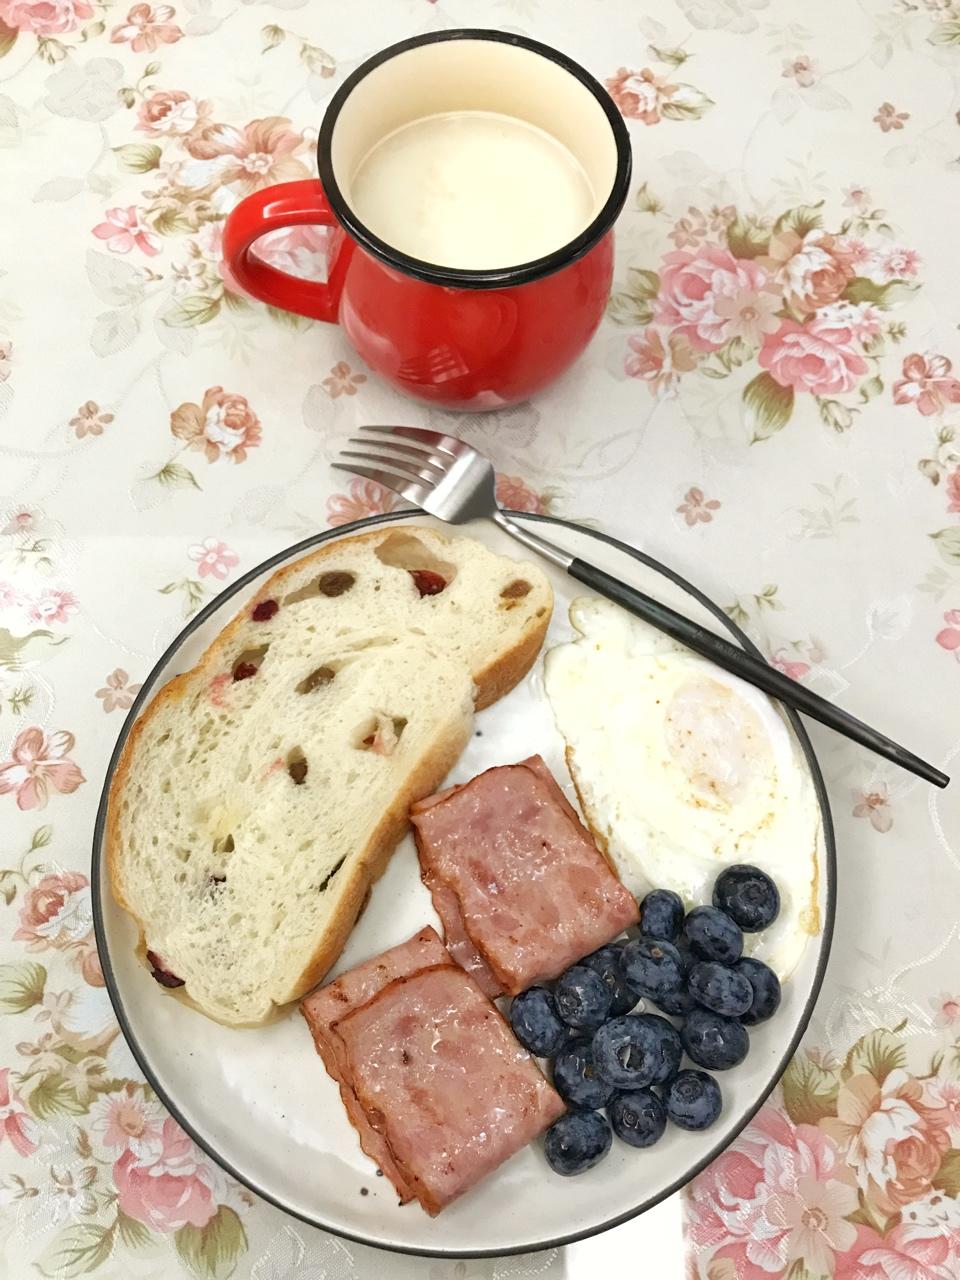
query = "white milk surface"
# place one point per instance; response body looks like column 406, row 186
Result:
column 472, row 189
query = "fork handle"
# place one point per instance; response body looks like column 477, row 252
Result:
column 724, row 653
column 754, row 670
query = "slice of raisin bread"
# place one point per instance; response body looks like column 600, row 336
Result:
column 260, row 794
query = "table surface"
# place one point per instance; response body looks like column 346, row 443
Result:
column 770, row 407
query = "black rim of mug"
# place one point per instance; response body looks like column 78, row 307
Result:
column 521, row 273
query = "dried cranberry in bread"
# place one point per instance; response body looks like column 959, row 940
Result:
column 261, row 793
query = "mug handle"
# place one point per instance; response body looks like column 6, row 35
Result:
column 289, row 204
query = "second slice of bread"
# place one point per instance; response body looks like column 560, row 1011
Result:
column 249, row 817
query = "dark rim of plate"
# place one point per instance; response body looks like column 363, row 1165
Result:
column 498, row 277
column 100, row 887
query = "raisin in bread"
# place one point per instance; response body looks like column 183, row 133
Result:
column 261, row 793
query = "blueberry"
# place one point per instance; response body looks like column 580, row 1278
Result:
column 748, row 896
column 638, row 1117
column 637, row 1050
column 536, row 1024
column 765, row 986
column 653, row 967
column 576, row 1142
column 712, row 935
column 713, row 1041
column 606, row 962
column 582, row 998
column 668, row 1048
column 576, row 1079
column 661, row 915
column 623, row 1053
column 721, row 989
column 693, row 1100
column 677, row 1004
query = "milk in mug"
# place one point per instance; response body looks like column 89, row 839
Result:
column 473, row 190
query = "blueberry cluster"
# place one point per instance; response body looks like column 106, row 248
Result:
column 608, row 1057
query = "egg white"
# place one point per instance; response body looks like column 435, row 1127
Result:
column 683, row 769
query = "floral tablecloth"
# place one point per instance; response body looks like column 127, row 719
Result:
column 771, row 406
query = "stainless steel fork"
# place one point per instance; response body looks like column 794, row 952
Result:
column 454, row 482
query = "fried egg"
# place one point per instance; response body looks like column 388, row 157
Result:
column 683, row 769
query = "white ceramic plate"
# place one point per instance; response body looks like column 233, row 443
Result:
column 259, row 1101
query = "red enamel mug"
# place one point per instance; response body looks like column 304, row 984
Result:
column 489, row 170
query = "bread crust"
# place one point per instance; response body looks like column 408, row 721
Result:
column 490, row 683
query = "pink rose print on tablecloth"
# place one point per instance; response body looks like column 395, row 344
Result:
column 44, row 17
column 146, row 28
column 51, row 606
column 791, row 667
column 169, row 1189
column 343, row 381
column 10, row 597
column 210, row 246
column 709, row 297
column 55, row 912
column 171, row 113
column 123, row 230
column 245, row 159
column 689, row 230
column 779, row 1197
column 953, row 491
column 696, row 225
column 650, row 98
column 118, row 692
column 222, row 426
column 812, row 270
column 927, row 382
column 22, row 520
column 696, row 508
column 659, row 363
column 203, row 273
column 16, row 1126
column 515, row 494
column 363, row 498
column 874, row 805
column 820, row 357
column 863, row 320
column 801, row 301
column 860, row 255
column 638, row 94
column 366, row 498
column 900, row 1255
column 38, row 763
column 856, row 197
column 888, row 1136
column 847, row 1173
column 90, row 420
column 801, row 68
column 888, row 117
column 946, row 1008
column 942, row 1096
column 898, row 263
column 949, row 637
column 214, row 558
column 129, row 1121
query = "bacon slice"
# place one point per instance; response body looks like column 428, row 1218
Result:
column 443, row 1081
column 533, row 893
column 456, row 939
column 324, row 1007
